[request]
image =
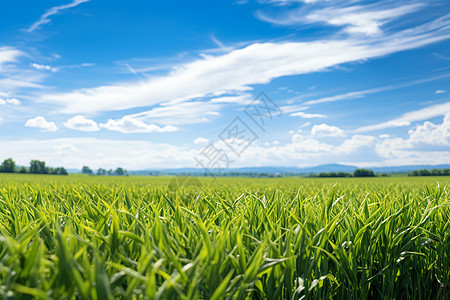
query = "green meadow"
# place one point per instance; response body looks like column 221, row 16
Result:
column 89, row 237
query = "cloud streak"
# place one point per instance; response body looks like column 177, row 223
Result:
column 45, row 18
column 406, row 119
column 356, row 19
column 9, row 55
column 257, row 63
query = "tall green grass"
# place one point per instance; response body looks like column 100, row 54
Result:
column 137, row 238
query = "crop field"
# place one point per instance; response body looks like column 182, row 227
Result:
column 94, row 237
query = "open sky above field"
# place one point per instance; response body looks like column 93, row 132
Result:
column 167, row 84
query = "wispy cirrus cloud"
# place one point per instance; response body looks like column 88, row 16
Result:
column 258, row 63
column 192, row 112
column 9, row 55
column 45, row 18
column 406, row 119
column 304, row 115
column 354, row 19
column 241, row 99
column 284, row 2
column 13, row 76
column 362, row 93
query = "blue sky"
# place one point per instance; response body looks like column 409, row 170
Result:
column 155, row 84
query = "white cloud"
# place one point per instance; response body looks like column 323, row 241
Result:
column 65, row 147
column 257, row 63
column 300, row 144
column 345, row 96
column 306, row 115
column 138, row 155
column 357, row 19
column 360, row 19
column 193, row 112
column 129, row 125
column 426, row 134
column 45, row 18
column 406, row 119
column 82, row 124
column 41, row 122
column 43, row 67
column 17, row 83
column 242, row 99
column 98, row 153
column 432, row 134
column 384, row 136
column 200, row 140
column 282, row 2
column 9, row 55
column 391, row 147
column 12, row 76
column 286, row 109
column 324, row 130
column 363, row 93
column 12, row 101
column 356, row 142
column 306, row 124
column 441, row 91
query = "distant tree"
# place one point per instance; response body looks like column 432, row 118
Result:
column 23, row 170
column 363, row 173
column 101, row 172
column 60, row 171
column 436, row 172
column 333, row 174
column 8, row 166
column 344, row 174
column 324, row 174
column 38, row 167
column 384, row 174
column 424, row 172
column 86, row 170
column 119, row 172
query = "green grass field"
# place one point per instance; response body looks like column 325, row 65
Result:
column 81, row 237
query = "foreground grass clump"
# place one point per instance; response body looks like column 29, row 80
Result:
column 139, row 238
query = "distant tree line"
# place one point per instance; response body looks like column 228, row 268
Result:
column 36, row 167
column 104, row 172
column 434, row 172
column 356, row 173
column 219, row 174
